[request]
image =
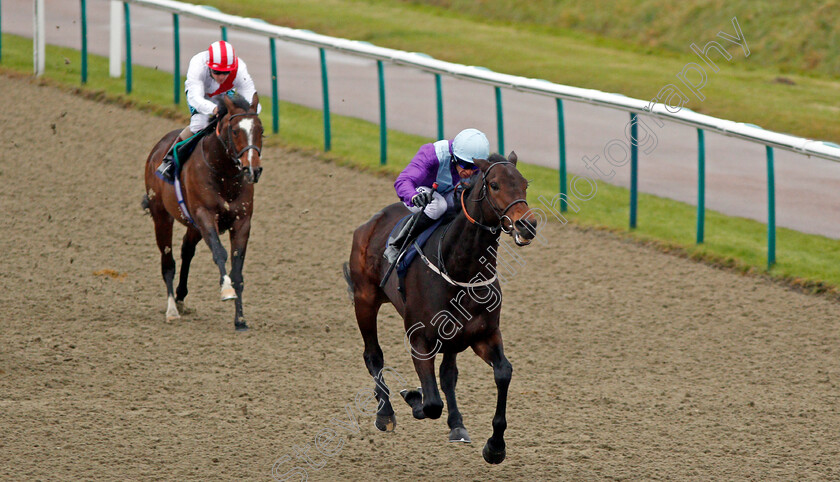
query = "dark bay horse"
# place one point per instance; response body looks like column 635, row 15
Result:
column 217, row 184
column 452, row 303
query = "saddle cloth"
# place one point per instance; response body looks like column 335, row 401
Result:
column 410, row 251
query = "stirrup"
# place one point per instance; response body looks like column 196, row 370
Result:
column 391, row 254
column 164, row 171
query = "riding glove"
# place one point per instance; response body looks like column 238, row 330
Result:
column 423, row 197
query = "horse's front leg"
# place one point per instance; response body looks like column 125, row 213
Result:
column 206, row 223
column 238, row 245
column 491, row 351
column 432, row 405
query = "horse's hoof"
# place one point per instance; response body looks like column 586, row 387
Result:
column 172, row 310
column 493, row 456
column 414, row 399
column 385, row 423
column 228, row 293
column 183, row 309
column 240, row 326
column 459, row 434
column 412, row 396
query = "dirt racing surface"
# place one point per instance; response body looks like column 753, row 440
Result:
column 628, row 363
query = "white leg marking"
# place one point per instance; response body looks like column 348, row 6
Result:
column 171, row 309
column 228, row 293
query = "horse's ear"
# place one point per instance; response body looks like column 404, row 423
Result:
column 482, row 164
column 255, row 102
column 228, row 103
column 513, row 158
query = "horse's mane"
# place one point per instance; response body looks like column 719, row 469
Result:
column 237, row 100
column 471, row 182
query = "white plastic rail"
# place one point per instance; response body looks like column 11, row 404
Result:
column 423, row 62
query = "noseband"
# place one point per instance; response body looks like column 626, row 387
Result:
column 230, row 146
column 500, row 213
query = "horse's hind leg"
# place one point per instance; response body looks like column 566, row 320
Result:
column 191, row 238
column 163, row 235
column 448, row 379
column 367, row 307
column 491, row 351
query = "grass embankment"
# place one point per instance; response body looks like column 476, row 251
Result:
column 745, row 89
column 799, row 36
column 809, row 261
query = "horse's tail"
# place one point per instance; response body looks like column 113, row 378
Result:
column 350, row 290
column 144, row 203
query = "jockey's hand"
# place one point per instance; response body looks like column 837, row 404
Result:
column 215, row 112
column 423, row 197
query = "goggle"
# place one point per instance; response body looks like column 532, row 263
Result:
column 219, row 72
column 465, row 164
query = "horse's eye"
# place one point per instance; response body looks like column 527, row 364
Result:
column 494, row 186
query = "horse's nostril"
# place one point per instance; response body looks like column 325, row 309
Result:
column 526, row 225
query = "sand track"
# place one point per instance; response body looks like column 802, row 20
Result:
column 628, row 363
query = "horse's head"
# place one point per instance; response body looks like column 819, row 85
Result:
column 503, row 188
column 241, row 131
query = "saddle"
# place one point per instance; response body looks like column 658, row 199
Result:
column 410, row 252
column 181, row 151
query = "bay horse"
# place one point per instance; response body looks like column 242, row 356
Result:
column 452, row 303
column 217, row 184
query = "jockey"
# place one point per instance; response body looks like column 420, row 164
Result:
column 427, row 184
column 214, row 72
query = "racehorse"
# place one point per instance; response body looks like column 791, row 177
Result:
column 218, row 193
column 462, row 273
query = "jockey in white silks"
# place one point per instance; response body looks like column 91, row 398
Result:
column 213, row 72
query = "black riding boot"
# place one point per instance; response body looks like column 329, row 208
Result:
column 164, row 171
column 411, row 229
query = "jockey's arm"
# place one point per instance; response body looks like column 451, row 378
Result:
column 197, row 74
column 244, row 84
column 420, row 169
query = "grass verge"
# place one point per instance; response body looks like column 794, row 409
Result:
column 743, row 90
column 805, row 261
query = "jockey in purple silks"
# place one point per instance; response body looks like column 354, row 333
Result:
column 427, row 184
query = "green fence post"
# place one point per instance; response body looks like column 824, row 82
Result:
column 84, row 42
column 701, row 185
column 500, row 123
column 275, row 101
column 1, row 31
column 176, row 74
column 383, row 127
column 127, row 48
column 561, row 137
column 634, row 169
column 224, row 33
column 439, row 95
column 326, row 95
column 771, row 210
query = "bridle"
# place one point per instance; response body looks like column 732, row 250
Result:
column 500, row 213
column 230, row 146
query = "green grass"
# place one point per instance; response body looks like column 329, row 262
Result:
column 799, row 36
column 809, row 261
column 744, row 90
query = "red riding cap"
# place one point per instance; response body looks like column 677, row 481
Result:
column 222, row 57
